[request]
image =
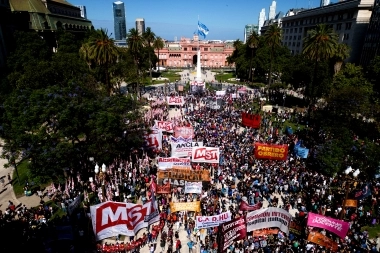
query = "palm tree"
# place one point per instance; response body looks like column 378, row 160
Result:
column 158, row 44
column 101, row 50
column 149, row 37
column 253, row 42
column 135, row 44
column 342, row 52
column 320, row 44
column 272, row 38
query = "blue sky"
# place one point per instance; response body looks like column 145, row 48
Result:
column 178, row 18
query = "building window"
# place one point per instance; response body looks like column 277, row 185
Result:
column 350, row 15
column 294, row 44
column 340, row 16
column 348, row 26
column 185, row 49
column 346, row 36
column 286, row 37
column 339, row 27
column 206, row 49
column 299, row 37
column 291, row 30
column 298, row 44
column 295, row 30
column 301, row 23
column 300, row 29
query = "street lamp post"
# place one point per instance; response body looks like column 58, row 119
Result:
column 102, row 177
column 348, row 182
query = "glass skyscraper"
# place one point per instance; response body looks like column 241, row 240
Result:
column 120, row 26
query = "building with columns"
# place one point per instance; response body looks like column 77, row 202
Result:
column 183, row 53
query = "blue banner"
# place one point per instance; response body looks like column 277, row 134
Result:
column 289, row 130
column 301, row 152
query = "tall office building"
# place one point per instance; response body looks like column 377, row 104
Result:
column 83, row 12
column 325, row 2
column 248, row 29
column 371, row 46
column 119, row 20
column 140, row 25
column 261, row 19
column 272, row 10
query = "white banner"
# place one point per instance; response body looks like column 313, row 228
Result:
column 182, row 147
column 212, row 221
column 267, row 218
column 197, row 83
column 154, row 138
column 118, row 218
column 165, row 126
column 175, row 100
column 193, row 187
column 169, row 162
column 205, row 155
column 220, row 93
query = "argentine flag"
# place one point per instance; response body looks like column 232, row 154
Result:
column 202, row 29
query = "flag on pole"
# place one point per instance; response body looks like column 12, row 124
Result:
column 202, row 29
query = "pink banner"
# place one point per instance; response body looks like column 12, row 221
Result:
column 335, row 226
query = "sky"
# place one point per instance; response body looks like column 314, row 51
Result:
column 173, row 19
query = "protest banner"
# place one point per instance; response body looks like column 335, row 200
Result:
column 114, row 218
column 184, row 132
column 296, row 228
column 185, row 206
column 193, row 187
column 272, row 152
column 323, row 241
column 220, row 94
column 183, row 147
column 175, row 100
column 185, row 174
column 264, row 232
column 250, row 120
column 212, row 221
column 245, row 207
column 74, row 204
column 268, row 218
column 335, row 226
column 362, row 194
column 205, row 155
column 350, row 203
column 301, row 152
column 170, row 162
column 165, row 126
column 231, row 232
column 164, row 188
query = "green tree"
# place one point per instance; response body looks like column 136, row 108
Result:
column 158, row 44
column 272, row 38
column 253, row 43
column 319, row 45
column 101, row 50
column 149, row 38
column 342, row 52
column 135, row 44
column 374, row 73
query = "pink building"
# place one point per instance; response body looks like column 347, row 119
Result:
column 183, row 53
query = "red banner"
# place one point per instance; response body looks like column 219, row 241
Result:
column 231, row 232
column 250, row 120
column 245, row 207
column 164, row 189
column 271, row 152
column 323, row 240
column 184, row 132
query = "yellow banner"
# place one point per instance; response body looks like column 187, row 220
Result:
column 186, row 174
column 351, row 203
column 185, row 206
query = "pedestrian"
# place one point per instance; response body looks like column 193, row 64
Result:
column 191, row 245
column 9, row 178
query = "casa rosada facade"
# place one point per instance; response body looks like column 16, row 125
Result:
column 183, row 53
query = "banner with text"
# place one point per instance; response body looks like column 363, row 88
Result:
column 296, row 228
column 183, row 147
column 220, row 94
column 164, row 188
column 205, row 155
column 175, row 100
column 184, row 132
column 194, row 206
column 185, row 174
column 193, row 187
column 265, row 232
column 165, row 126
column 113, row 218
column 335, row 226
column 170, row 162
column 154, row 138
column 272, row 152
column 268, row 218
column 323, row 241
column 250, row 120
column 212, row 221
column 350, row 203
column 231, row 232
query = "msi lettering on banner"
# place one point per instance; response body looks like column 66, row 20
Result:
column 231, row 232
column 165, row 126
column 184, row 132
column 212, row 221
column 117, row 218
column 175, row 100
column 205, row 155
column 250, row 120
column 169, row 162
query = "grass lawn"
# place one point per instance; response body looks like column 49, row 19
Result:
column 171, row 75
column 224, row 78
column 372, row 231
